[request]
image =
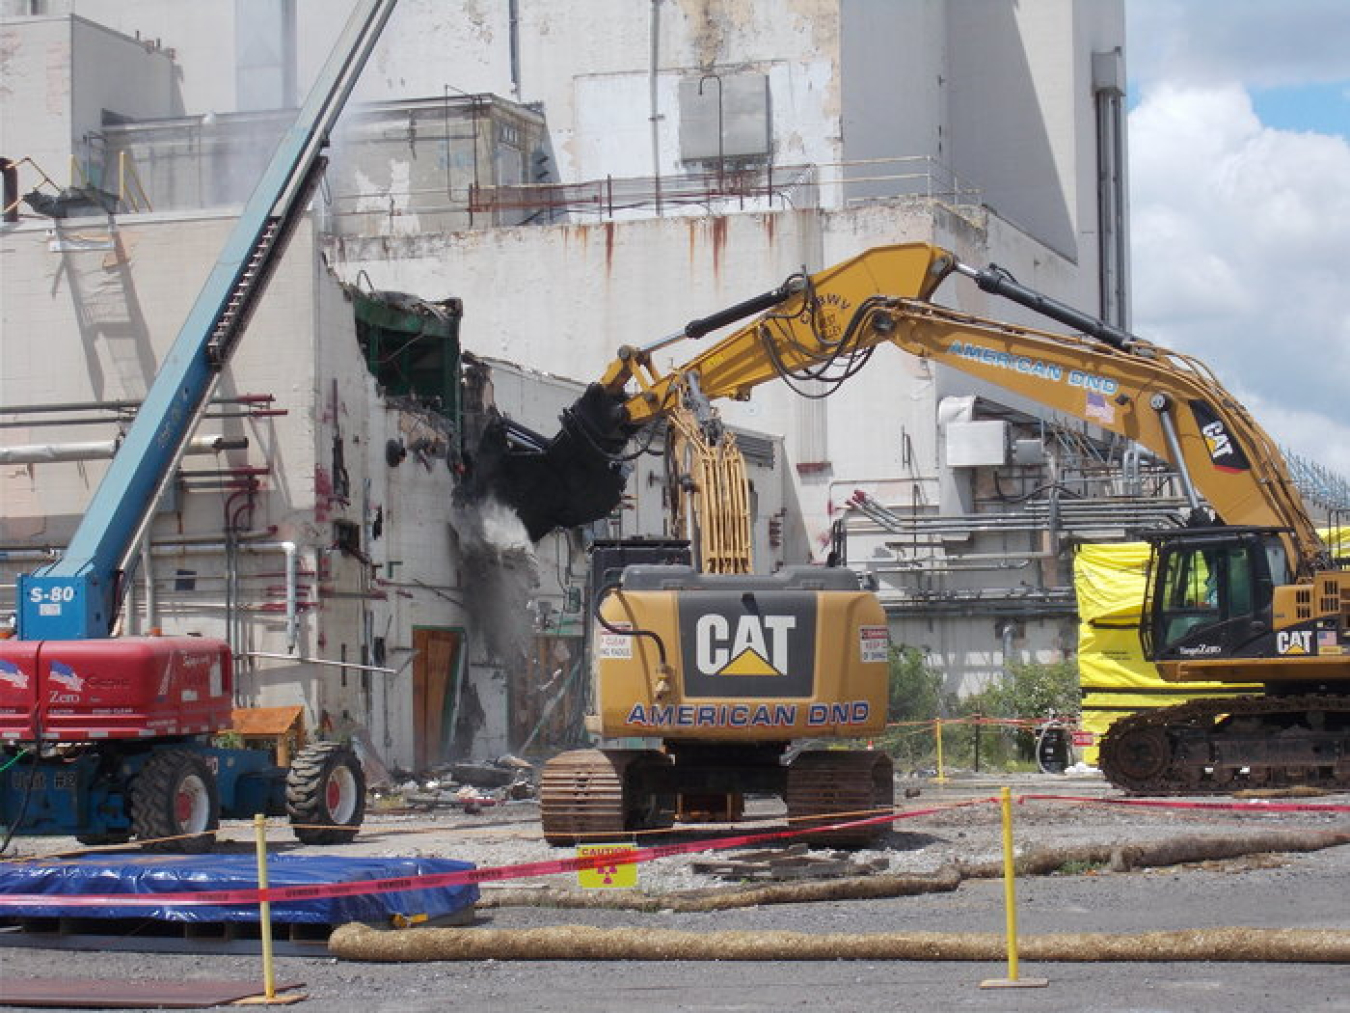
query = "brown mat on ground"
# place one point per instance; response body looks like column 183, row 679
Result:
column 576, row 942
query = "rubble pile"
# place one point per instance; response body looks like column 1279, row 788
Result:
column 470, row 787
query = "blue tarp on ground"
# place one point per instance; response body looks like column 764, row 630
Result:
column 153, row 874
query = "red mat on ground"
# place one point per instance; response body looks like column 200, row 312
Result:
column 103, row 994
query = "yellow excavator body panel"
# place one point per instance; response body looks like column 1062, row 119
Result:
column 739, row 658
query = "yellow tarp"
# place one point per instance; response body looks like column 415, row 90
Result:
column 1116, row 680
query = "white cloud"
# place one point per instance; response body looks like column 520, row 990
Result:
column 1319, row 440
column 1255, row 41
column 1241, row 252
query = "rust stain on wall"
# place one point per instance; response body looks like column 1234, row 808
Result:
column 609, row 247
column 580, row 234
column 323, row 493
column 719, row 241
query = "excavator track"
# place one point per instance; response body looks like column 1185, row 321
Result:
column 1211, row 747
column 592, row 795
column 831, row 786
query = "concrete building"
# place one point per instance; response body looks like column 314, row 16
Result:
column 575, row 177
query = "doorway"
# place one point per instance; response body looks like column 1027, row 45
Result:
column 435, row 693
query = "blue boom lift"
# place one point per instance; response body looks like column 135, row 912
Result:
column 109, row 738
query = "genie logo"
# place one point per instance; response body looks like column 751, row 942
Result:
column 12, row 674
column 66, row 676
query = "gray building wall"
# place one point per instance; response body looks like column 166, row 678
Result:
column 61, row 75
column 979, row 95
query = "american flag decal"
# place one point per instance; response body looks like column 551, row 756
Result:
column 1099, row 408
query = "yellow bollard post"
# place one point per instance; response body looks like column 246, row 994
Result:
column 265, row 910
column 1010, row 906
column 269, row 996
column 937, row 730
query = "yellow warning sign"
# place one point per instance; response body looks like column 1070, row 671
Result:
column 619, row 874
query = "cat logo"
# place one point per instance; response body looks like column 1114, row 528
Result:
column 1293, row 641
column 1224, row 451
column 758, row 645
column 1216, row 438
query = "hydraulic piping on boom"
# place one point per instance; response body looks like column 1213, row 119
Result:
column 1277, row 612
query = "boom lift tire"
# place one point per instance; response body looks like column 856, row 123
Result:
column 175, row 803
column 326, row 794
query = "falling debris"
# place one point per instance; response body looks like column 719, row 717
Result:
column 500, row 573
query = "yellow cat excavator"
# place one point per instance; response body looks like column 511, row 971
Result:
column 727, row 669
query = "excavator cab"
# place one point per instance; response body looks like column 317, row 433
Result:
column 1210, row 592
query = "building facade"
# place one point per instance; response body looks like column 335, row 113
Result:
column 560, row 180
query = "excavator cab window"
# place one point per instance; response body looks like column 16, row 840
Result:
column 1211, row 594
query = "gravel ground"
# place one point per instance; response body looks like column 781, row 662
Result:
column 1290, row 891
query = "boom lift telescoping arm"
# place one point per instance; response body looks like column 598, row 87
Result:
column 824, row 327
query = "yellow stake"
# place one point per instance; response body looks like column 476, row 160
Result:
column 265, row 909
column 1010, row 906
column 937, row 727
column 1009, row 883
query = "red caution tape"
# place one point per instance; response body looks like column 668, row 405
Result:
column 222, row 898
column 565, row 865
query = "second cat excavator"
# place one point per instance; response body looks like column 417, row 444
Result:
column 1243, row 591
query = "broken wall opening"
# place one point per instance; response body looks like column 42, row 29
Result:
column 411, row 347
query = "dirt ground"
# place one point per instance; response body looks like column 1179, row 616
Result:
column 942, row 826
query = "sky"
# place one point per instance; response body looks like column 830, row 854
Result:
column 1239, row 164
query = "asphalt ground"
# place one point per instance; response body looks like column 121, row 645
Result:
column 1287, row 891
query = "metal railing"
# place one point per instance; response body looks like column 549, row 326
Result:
column 734, row 188
column 1318, row 485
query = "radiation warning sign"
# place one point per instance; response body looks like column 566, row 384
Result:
column 621, row 873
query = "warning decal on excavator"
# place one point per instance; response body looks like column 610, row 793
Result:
column 618, row 646
column 874, row 644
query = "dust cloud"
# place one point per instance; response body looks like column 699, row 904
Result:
column 499, row 574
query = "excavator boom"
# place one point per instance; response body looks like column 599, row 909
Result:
column 824, row 327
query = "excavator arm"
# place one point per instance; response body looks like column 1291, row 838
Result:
column 823, row 327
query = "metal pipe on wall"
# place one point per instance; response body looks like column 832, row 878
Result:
column 652, row 86
column 92, row 450
column 292, row 598
column 331, row 664
column 292, row 574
